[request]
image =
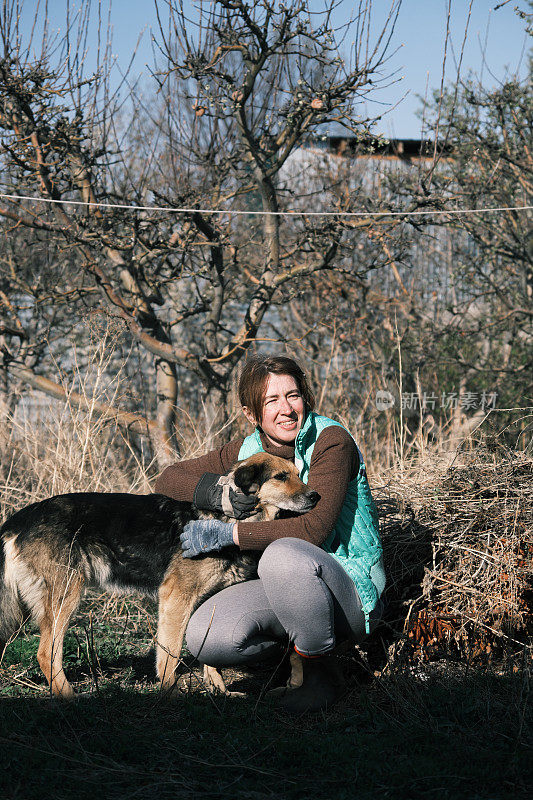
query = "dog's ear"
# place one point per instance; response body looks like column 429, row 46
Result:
column 249, row 477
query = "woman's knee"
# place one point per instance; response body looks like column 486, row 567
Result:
column 256, row 635
column 198, row 632
column 233, row 625
column 290, row 557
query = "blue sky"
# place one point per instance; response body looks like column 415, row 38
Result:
column 418, row 39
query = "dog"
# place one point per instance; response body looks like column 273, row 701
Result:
column 122, row 544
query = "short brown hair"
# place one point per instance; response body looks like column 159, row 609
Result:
column 254, row 377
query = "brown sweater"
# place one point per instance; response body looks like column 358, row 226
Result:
column 334, row 463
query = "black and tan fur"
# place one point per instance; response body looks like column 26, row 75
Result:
column 125, row 543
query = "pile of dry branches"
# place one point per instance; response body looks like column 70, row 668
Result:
column 460, row 565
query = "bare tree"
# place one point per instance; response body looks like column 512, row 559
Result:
column 237, row 96
column 483, row 330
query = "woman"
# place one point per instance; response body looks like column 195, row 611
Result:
column 320, row 574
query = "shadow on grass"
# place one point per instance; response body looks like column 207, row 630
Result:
column 405, row 736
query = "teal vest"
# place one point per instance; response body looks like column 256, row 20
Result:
column 354, row 542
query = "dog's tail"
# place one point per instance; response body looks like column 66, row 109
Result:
column 11, row 610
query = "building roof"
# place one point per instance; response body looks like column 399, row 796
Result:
column 406, row 149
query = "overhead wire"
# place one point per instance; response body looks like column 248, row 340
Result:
column 288, row 213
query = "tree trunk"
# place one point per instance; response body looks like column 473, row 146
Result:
column 215, row 405
column 166, row 447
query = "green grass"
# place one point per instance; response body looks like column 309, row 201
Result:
column 450, row 733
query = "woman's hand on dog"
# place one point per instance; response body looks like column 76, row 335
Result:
column 205, row 536
column 209, row 492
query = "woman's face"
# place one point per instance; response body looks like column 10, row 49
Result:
column 283, row 410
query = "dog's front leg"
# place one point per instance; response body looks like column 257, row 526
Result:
column 174, row 614
column 214, row 682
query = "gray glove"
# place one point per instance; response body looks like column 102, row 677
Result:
column 205, row 536
column 208, row 496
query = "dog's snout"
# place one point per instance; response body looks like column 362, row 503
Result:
column 313, row 497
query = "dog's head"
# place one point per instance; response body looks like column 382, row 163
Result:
column 276, row 483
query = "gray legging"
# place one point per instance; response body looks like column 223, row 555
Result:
column 303, row 596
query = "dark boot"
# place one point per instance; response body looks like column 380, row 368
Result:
column 322, row 684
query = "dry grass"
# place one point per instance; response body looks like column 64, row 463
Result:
column 459, row 547
column 50, row 447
